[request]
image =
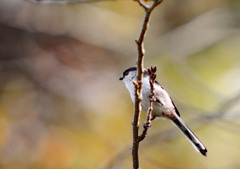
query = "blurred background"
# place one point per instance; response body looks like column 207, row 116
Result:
column 63, row 107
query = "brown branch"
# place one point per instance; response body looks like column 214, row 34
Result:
column 140, row 2
column 147, row 124
column 138, row 84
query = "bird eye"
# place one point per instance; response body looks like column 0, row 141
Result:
column 125, row 73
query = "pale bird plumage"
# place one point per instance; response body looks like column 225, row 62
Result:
column 163, row 107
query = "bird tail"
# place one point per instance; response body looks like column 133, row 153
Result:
column 190, row 136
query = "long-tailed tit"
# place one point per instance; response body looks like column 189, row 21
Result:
column 163, row 106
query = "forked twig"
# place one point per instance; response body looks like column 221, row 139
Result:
column 138, row 84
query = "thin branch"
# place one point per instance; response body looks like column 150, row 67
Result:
column 147, row 124
column 140, row 2
column 138, row 84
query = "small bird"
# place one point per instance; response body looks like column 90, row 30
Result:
column 163, row 105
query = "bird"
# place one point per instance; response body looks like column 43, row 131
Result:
column 163, row 105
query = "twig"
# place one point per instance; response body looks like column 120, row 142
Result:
column 138, row 84
column 140, row 2
column 147, row 124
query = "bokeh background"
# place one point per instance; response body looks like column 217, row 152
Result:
column 63, row 107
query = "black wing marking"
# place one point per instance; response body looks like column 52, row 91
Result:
column 176, row 110
column 157, row 100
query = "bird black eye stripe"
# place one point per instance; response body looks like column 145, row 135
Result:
column 125, row 73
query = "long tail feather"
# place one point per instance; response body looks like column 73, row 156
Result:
column 190, row 135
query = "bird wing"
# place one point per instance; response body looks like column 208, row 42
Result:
column 176, row 110
column 157, row 100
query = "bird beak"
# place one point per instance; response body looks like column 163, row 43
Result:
column 121, row 78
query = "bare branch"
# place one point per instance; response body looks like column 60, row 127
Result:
column 138, row 87
column 147, row 124
column 142, row 4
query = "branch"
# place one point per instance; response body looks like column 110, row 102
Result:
column 140, row 2
column 138, row 84
column 147, row 124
